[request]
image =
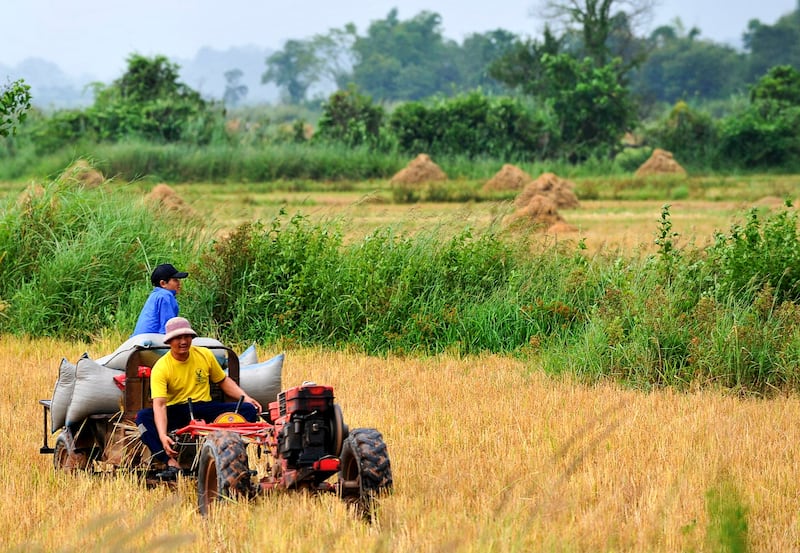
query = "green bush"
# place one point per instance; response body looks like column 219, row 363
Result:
column 690, row 135
column 471, row 125
column 757, row 254
column 351, row 119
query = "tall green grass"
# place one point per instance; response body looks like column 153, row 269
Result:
column 72, row 257
column 75, row 263
column 228, row 162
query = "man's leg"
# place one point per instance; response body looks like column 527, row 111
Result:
column 149, row 435
column 177, row 416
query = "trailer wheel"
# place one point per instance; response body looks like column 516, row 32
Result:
column 365, row 471
column 223, row 471
column 65, row 456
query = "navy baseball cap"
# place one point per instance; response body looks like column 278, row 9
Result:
column 166, row 271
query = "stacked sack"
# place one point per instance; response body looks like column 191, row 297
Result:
column 262, row 381
column 88, row 387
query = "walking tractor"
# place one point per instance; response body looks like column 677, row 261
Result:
column 300, row 443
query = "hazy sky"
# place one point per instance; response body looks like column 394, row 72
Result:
column 95, row 37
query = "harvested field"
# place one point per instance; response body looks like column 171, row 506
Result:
column 591, row 468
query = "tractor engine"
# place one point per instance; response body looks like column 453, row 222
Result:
column 308, row 425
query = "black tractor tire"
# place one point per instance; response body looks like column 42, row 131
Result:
column 339, row 430
column 365, row 472
column 223, row 471
column 65, row 456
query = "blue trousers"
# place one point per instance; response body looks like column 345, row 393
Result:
column 178, row 417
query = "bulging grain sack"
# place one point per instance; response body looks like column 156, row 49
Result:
column 119, row 358
column 95, row 391
column 214, row 345
column 62, row 395
column 249, row 356
column 262, row 381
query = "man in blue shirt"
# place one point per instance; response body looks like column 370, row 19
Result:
column 162, row 304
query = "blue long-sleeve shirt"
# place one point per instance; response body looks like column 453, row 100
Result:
column 161, row 306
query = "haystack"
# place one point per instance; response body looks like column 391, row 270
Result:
column 509, row 177
column 420, row 170
column 552, row 186
column 660, row 162
column 540, row 210
column 32, row 192
column 162, row 196
column 81, row 173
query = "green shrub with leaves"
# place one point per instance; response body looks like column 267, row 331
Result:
column 471, row 125
column 297, row 280
column 689, row 134
column 352, row 119
column 764, row 251
column 767, row 132
column 15, row 101
column 75, row 262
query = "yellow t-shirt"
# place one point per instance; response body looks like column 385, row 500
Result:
column 177, row 381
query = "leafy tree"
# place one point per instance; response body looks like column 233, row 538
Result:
column 472, row 125
column 351, row 118
column 592, row 107
column 234, row 90
column 767, row 133
column 478, row 52
column 335, row 55
column 680, row 66
column 771, row 45
column 15, row 101
column 688, row 133
column 781, row 86
column 151, row 79
column 294, row 69
column 521, row 66
column 405, row 60
column 600, row 24
column 149, row 101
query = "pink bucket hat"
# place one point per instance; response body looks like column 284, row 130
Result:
column 178, row 326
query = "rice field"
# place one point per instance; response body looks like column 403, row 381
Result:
column 488, row 454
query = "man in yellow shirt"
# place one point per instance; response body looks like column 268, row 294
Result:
column 184, row 373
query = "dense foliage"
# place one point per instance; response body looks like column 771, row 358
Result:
column 75, row 265
column 472, row 125
column 71, row 256
column 147, row 102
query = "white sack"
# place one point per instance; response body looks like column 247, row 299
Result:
column 248, row 356
column 62, row 395
column 95, row 391
column 213, row 343
column 119, row 359
column 262, row 381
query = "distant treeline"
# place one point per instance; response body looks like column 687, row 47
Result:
column 403, row 89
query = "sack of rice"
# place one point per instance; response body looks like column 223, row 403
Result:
column 95, row 391
column 262, row 381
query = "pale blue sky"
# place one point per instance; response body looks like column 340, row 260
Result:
column 95, row 37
